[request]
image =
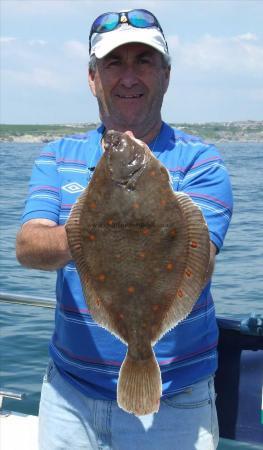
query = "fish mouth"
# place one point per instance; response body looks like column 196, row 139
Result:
column 134, row 173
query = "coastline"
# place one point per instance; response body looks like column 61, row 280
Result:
column 27, row 139
column 214, row 132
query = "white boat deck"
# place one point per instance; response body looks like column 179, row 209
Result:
column 18, row 432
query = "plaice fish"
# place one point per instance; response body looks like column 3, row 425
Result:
column 142, row 253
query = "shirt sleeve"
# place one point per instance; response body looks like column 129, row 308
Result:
column 43, row 201
column 207, row 183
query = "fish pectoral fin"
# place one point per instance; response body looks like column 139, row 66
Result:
column 139, row 387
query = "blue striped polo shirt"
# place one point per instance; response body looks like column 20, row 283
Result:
column 87, row 355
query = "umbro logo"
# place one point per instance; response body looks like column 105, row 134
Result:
column 73, row 188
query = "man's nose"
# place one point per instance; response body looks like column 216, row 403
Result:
column 129, row 77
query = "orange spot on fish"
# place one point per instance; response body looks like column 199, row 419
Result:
column 146, row 231
column 162, row 202
column 135, row 205
column 130, row 289
column 98, row 302
column 101, row 277
column 188, row 273
column 152, row 173
column 93, row 205
column 156, row 308
column 173, row 232
column 91, row 237
column 180, row 293
column 194, row 244
column 142, row 255
column 169, row 266
column 110, row 222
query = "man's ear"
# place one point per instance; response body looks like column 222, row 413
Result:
column 92, row 84
column 167, row 77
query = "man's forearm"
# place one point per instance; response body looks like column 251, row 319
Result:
column 43, row 247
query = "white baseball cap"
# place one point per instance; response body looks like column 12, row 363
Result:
column 103, row 43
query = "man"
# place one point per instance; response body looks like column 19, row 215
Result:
column 129, row 75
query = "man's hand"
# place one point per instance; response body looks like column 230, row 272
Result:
column 42, row 244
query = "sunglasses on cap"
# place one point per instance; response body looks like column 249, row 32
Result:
column 137, row 18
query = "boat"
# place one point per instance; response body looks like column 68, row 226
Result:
column 238, row 383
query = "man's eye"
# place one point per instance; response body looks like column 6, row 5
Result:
column 113, row 63
column 144, row 61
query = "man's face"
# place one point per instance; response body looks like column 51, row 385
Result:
column 129, row 84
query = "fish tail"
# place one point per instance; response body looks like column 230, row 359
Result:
column 139, row 387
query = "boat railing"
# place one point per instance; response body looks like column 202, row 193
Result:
column 42, row 302
column 9, row 394
column 252, row 324
column 29, row 300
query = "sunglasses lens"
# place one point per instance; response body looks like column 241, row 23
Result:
column 138, row 18
column 141, row 19
column 105, row 22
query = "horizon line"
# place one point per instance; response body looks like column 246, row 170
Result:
column 98, row 122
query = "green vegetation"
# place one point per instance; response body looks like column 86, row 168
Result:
column 43, row 130
column 228, row 131
column 225, row 131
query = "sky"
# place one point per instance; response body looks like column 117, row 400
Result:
column 216, row 48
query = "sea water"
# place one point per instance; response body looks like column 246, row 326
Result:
column 25, row 330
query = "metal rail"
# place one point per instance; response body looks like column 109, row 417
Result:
column 252, row 325
column 9, row 394
column 27, row 300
